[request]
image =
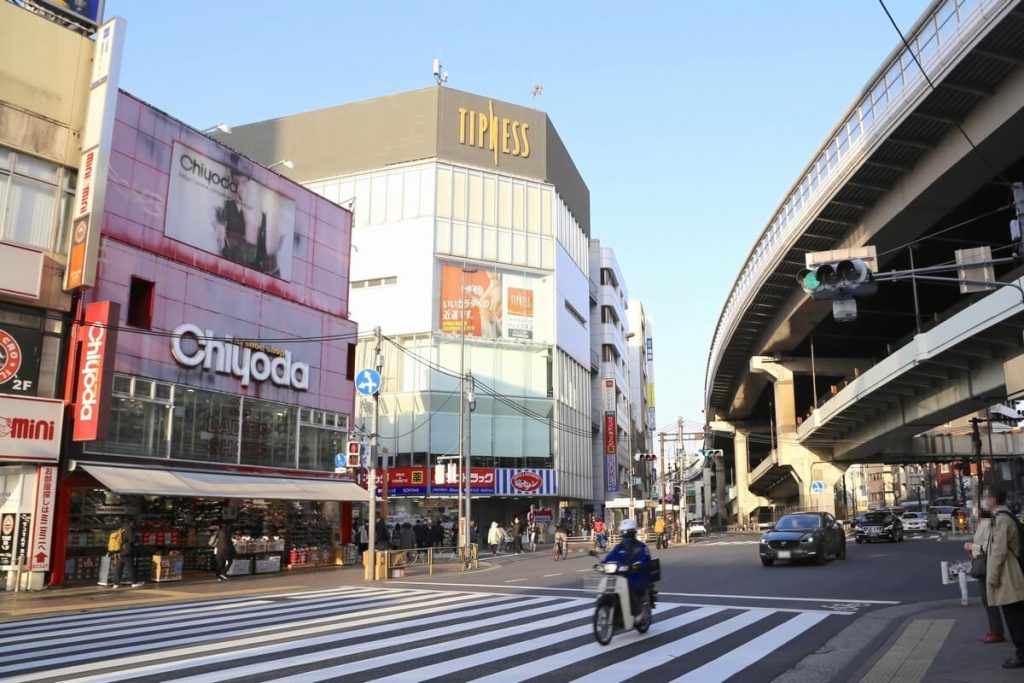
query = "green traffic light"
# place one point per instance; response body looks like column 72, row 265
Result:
column 811, row 281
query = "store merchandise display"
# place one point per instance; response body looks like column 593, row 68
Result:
column 172, row 534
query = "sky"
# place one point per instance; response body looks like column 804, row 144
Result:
column 689, row 121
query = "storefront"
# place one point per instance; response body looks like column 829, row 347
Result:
column 210, row 365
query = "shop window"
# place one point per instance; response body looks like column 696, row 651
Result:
column 140, row 303
column 205, row 426
column 268, row 434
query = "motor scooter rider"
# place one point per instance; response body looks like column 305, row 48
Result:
column 628, row 552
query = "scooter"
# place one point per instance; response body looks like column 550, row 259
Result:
column 614, row 609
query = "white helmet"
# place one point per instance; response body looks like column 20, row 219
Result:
column 627, row 526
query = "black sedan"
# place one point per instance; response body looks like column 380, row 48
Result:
column 803, row 536
column 878, row 526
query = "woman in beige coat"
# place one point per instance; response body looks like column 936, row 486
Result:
column 996, row 633
column 1003, row 576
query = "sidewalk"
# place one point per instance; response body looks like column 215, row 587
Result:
column 941, row 645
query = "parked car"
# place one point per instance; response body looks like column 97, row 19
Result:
column 914, row 521
column 803, row 536
column 879, row 525
column 696, row 527
column 940, row 517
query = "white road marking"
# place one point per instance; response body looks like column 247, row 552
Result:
column 548, row 576
column 513, row 580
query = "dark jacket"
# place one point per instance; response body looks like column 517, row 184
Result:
column 422, row 533
column 224, row 546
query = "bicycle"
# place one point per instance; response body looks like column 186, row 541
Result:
column 559, row 550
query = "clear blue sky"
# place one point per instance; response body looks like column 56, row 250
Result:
column 689, row 121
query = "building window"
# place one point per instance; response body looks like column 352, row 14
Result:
column 375, row 282
column 140, row 303
column 35, row 201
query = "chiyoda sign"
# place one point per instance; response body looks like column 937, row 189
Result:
column 193, row 348
column 97, row 336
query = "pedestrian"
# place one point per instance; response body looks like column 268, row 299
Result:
column 505, row 538
column 586, row 528
column 474, row 533
column 659, row 529
column 422, row 532
column 996, row 633
column 517, row 535
column 223, row 551
column 407, row 539
column 122, row 546
column 437, row 534
column 383, row 536
column 494, row 537
column 364, row 537
column 1003, row 576
column 534, row 536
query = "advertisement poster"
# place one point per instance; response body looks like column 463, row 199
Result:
column 482, row 483
column 492, row 305
column 221, row 209
column 20, row 351
column 611, row 437
column 611, row 473
column 7, row 524
column 538, row 482
column 42, row 535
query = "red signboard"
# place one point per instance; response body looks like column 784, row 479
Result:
column 42, row 535
column 95, row 370
column 611, row 438
column 526, row 481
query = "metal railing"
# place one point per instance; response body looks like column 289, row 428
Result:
column 420, row 560
column 947, row 28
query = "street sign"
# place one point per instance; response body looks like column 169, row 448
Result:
column 368, row 382
column 339, row 460
column 817, row 486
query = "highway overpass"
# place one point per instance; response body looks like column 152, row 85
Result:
column 919, row 166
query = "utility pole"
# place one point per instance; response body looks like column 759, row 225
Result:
column 371, row 466
column 468, row 468
column 664, row 491
column 976, row 442
column 378, row 361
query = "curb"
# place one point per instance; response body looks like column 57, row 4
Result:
column 840, row 656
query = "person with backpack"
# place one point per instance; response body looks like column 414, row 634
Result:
column 1004, row 572
column 121, row 546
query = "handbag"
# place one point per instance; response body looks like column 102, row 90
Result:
column 977, row 570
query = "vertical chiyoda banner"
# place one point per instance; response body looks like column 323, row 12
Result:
column 221, row 209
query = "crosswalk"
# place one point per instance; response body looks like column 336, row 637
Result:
column 391, row 634
column 755, row 541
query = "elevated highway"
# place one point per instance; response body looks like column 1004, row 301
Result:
column 919, row 166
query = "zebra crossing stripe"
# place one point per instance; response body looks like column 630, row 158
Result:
column 515, row 632
column 620, row 671
column 547, row 664
column 200, row 644
column 753, row 650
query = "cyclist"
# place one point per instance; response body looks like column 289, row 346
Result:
column 600, row 537
column 659, row 529
column 561, row 541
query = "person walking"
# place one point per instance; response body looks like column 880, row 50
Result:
column 1003, row 576
column 517, row 535
column 223, row 551
column 123, row 548
column 996, row 632
column 659, row 529
column 494, row 537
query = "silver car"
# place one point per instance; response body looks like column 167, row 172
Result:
column 915, row 521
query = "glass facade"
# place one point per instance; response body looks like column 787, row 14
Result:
column 176, row 422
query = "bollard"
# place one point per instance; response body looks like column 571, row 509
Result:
column 962, row 576
column 17, row 574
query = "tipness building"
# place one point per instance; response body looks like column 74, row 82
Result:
column 470, row 252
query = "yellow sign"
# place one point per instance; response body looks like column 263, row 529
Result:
column 488, row 131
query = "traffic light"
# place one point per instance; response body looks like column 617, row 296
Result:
column 645, row 457
column 354, row 454
column 838, row 280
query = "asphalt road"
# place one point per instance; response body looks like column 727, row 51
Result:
column 721, row 616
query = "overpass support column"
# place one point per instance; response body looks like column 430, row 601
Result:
column 746, row 502
column 807, row 465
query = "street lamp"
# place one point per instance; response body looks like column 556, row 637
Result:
column 219, row 128
column 287, row 163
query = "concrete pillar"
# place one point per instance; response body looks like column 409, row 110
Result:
column 808, row 465
column 746, row 502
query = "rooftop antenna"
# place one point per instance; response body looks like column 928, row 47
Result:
column 440, row 76
column 538, row 89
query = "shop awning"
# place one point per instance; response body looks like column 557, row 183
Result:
column 154, row 482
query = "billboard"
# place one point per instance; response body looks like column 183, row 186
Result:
column 221, row 209
column 88, row 11
column 493, row 304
